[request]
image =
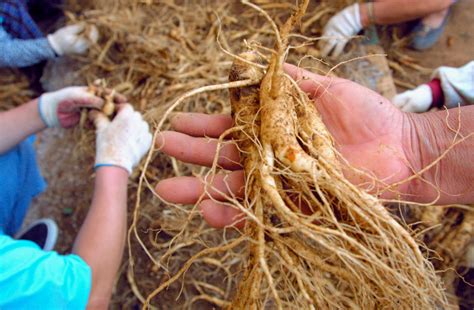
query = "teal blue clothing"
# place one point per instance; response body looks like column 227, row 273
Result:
column 29, row 277
column 34, row 279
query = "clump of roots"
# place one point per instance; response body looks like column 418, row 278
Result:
column 99, row 89
column 317, row 241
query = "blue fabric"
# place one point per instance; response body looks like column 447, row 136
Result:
column 29, row 277
column 34, row 279
column 22, row 53
column 16, row 20
column 20, row 182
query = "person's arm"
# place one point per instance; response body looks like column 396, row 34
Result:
column 351, row 20
column 101, row 239
column 55, row 109
column 449, row 87
column 397, row 11
column 19, row 123
column 23, row 53
column 452, row 177
column 66, row 40
column 121, row 143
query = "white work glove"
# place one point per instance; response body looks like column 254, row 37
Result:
column 339, row 30
column 123, row 141
column 62, row 108
column 416, row 100
column 72, row 40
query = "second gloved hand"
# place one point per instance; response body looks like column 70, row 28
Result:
column 339, row 30
column 123, row 141
column 73, row 39
column 417, row 100
column 62, row 108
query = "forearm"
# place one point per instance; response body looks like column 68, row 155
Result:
column 101, row 238
column 23, row 53
column 397, row 11
column 19, row 123
column 443, row 141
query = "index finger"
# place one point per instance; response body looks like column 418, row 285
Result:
column 200, row 124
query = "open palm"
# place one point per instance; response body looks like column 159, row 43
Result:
column 368, row 130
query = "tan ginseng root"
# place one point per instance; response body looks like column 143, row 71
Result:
column 346, row 251
column 99, row 89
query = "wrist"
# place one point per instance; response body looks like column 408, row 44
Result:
column 442, row 172
column 37, row 121
column 364, row 15
column 55, row 45
column 110, row 167
column 436, row 93
column 111, row 171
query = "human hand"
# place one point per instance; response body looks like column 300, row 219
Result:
column 72, row 39
column 369, row 132
column 417, row 100
column 123, row 141
column 339, row 30
column 62, row 108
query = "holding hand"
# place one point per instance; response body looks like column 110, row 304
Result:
column 123, row 141
column 73, row 39
column 339, row 30
column 369, row 132
column 62, row 108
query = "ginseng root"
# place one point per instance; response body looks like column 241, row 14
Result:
column 99, row 89
column 347, row 251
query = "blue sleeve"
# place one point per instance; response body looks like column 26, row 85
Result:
column 23, row 53
column 33, row 279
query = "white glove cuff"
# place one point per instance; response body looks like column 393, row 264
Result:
column 54, row 45
column 357, row 20
column 112, row 159
column 47, row 111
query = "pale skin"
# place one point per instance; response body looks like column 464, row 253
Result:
column 387, row 12
column 371, row 134
column 101, row 239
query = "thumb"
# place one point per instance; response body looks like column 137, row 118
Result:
column 398, row 100
column 93, row 34
column 339, row 47
column 101, row 121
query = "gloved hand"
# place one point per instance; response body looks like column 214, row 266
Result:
column 72, row 40
column 62, row 108
column 339, row 30
column 416, row 100
column 123, row 141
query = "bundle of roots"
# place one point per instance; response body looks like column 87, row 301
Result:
column 312, row 239
column 347, row 252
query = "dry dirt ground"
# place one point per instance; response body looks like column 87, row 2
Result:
column 456, row 46
column 66, row 199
